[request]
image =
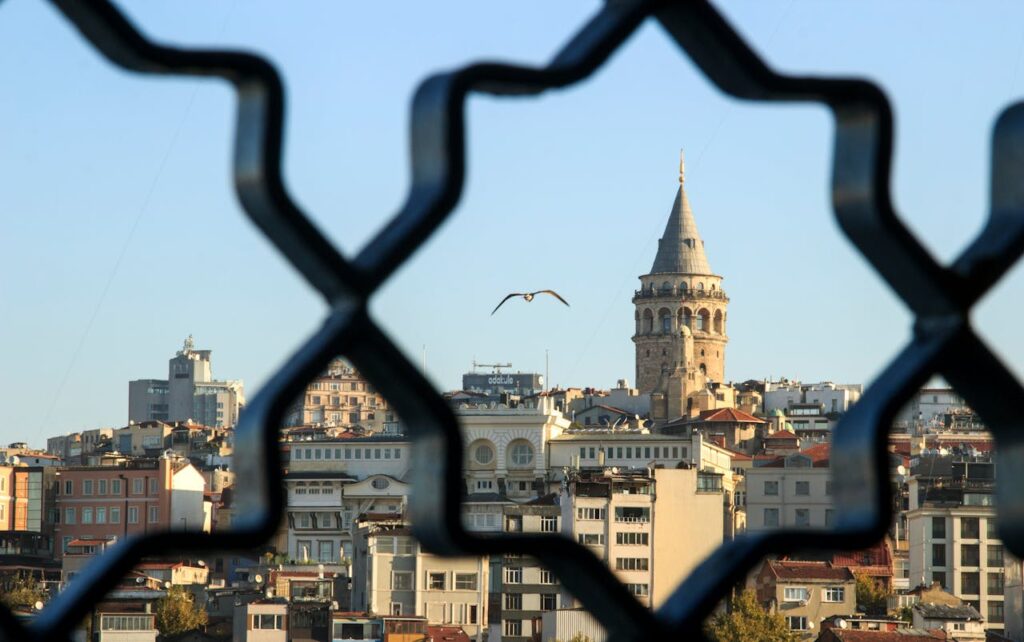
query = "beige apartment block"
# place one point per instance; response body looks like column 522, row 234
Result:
column 806, row 593
column 342, row 397
column 391, row 575
column 641, row 523
column 794, row 491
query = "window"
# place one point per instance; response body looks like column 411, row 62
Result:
column 546, row 576
column 405, row 546
column 803, row 488
column 633, row 514
column 483, row 454
column 590, row 513
column 484, row 484
column 69, row 515
column 639, row 590
column 304, row 520
column 87, row 515
column 970, row 583
column 436, row 581
column 137, row 486
column 548, row 601
column 548, row 524
column 268, row 621
column 940, row 577
column 101, row 487
column 970, row 555
column 938, row 528
column 639, row 539
column 771, row 517
column 115, row 486
column 152, row 485
column 127, row 623
column 629, row 452
column 771, row 488
column 380, row 483
column 514, row 523
column 995, row 555
column 995, row 583
column 401, row 580
column 87, row 487
column 802, row 517
column 830, row 515
column 796, row 623
column 69, row 487
column 833, row 594
column 325, row 551
column 133, row 514
column 514, row 601
column 969, row 528
column 115, row 515
column 465, row 581
column 675, row 452
column 995, row 612
column 992, row 528
column 513, row 576
column 590, row 539
column 514, row 627
column 521, row 454
column 154, row 514
column 631, row 563
column 938, row 554
column 101, row 515
column 795, row 594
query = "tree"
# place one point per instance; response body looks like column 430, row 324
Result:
column 177, row 612
column 871, row 597
column 21, row 591
column 748, row 621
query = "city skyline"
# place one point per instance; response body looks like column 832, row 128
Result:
column 172, row 256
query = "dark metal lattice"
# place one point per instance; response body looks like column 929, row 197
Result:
column 941, row 298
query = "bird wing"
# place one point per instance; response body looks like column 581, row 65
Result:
column 554, row 294
column 514, row 294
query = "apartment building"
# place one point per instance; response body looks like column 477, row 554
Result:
column 392, row 575
column 806, row 593
column 521, row 589
column 651, row 551
column 791, row 491
column 129, row 498
column 356, row 456
column 342, row 397
column 952, row 533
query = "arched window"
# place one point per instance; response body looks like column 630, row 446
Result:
column 718, row 322
column 704, row 320
column 648, row 322
column 483, row 452
column 665, row 320
column 520, row 453
column 666, row 287
column 700, row 286
column 703, row 369
column 682, row 287
column 713, row 288
column 686, row 318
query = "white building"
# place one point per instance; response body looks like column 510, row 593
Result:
column 794, row 491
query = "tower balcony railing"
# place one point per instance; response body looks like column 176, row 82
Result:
column 650, row 293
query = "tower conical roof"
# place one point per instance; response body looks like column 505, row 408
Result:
column 680, row 249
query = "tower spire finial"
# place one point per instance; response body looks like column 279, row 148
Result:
column 682, row 167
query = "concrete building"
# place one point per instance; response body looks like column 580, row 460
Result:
column 130, row 498
column 563, row 624
column 828, row 397
column 342, row 397
column 792, row 491
column 189, row 392
column 806, row 593
column 960, row 622
column 392, row 575
column 952, row 533
column 640, row 523
column 680, row 317
column 521, row 589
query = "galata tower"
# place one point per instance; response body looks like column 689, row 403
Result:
column 680, row 316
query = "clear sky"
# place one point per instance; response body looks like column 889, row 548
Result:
column 121, row 233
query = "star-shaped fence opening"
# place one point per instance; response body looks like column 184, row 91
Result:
column 941, row 298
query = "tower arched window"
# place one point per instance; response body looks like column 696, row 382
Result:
column 648, row 322
column 686, row 318
column 700, row 286
column 665, row 320
column 718, row 322
column 704, row 320
column 666, row 288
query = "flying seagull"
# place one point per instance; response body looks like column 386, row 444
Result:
column 529, row 297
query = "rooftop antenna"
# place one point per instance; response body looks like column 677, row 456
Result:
column 547, row 380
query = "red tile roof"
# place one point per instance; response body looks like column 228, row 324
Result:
column 447, row 634
column 728, row 415
column 783, row 434
column 789, row 570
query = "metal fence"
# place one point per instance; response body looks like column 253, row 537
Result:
column 941, row 298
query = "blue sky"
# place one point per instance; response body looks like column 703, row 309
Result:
column 121, row 233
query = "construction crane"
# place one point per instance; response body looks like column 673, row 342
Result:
column 495, row 367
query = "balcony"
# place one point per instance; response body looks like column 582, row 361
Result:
column 718, row 295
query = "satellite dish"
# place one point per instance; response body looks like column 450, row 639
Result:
column 841, row 623
column 140, row 580
column 943, row 452
column 13, row 460
column 167, row 585
column 269, row 593
column 38, row 605
column 258, row 578
column 901, row 469
column 201, row 563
